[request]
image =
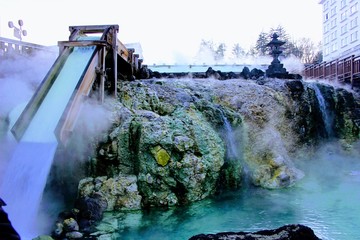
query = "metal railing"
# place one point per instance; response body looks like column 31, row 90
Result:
column 345, row 70
column 10, row 47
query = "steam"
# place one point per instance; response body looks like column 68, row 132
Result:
column 70, row 163
column 19, row 78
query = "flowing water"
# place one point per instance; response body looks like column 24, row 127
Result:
column 232, row 150
column 323, row 109
column 327, row 200
column 25, row 177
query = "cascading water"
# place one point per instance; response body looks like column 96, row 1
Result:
column 27, row 172
column 232, row 150
column 326, row 118
column 24, row 182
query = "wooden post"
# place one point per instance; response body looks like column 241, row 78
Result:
column 352, row 70
column 115, row 61
column 102, row 68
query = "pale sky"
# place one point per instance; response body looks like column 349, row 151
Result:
column 168, row 31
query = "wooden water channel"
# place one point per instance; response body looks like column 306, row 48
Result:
column 346, row 70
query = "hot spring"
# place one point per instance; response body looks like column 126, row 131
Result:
column 174, row 136
column 326, row 200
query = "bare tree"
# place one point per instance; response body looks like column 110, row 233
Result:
column 307, row 50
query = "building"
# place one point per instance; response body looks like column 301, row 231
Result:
column 341, row 29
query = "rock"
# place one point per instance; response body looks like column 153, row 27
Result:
column 287, row 232
column 74, row 235
column 295, row 87
column 70, row 224
column 210, row 72
column 143, row 73
column 190, row 174
column 58, row 229
column 116, row 193
column 43, row 237
column 91, row 207
column 161, row 156
column 170, row 137
column 245, row 73
column 256, row 73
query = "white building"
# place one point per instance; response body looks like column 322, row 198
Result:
column 341, row 28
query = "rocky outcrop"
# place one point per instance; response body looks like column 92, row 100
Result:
column 287, row 232
column 175, row 141
column 246, row 73
column 172, row 137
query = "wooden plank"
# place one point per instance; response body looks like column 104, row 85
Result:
column 83, row 43
column 68, row 120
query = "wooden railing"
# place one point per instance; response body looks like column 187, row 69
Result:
column 10, row 47
column 346, row 70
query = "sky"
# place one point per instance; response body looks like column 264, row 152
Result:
column 168, row 31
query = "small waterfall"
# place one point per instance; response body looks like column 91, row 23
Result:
column 24, row 182
column 232, row 151
column 327, row 119
column 235, row 171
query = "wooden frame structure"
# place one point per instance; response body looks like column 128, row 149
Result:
column 346, row 70
column 109, row 59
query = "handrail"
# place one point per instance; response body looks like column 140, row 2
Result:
column 344, row 70
column 10, row 46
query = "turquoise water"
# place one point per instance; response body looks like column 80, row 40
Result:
column 327, row 199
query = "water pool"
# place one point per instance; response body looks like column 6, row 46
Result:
column 327, row 199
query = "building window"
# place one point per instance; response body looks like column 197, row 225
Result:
column 333, row 36
column 326, row 40
column 344, row 42
column 353, row 37
column 326, row 6
column 343, row 15
column 333, row 47
column 326, row 17
column 326, row 28
column 354, row 8
column 343, row 3
column 344, row 29
column 333, row 11
column 326, row 51
column 353, row 23
column 333, row 23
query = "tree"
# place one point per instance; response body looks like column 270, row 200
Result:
column 237, row 51
column 220, row 52
column 302, row 48
column 260, row 48
column 308, row 51
column 210, row 52
column 289, row 48
column 319, row 54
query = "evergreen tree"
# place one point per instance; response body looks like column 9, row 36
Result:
column 220, row 52
column 260, row 48
column 238, row 51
